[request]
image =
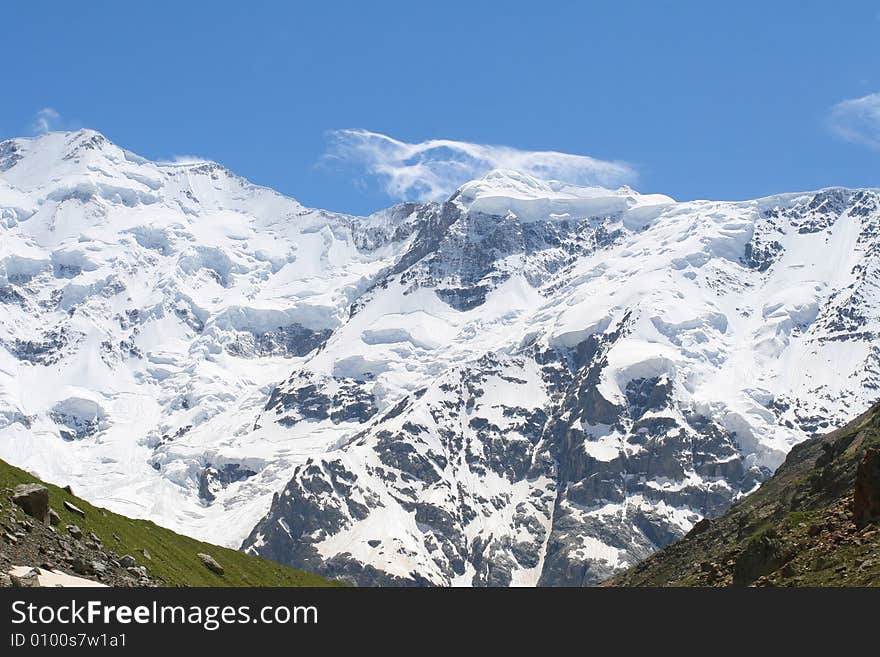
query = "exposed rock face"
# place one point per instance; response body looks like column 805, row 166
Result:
column 570, row 454
column 528, row 383
column 797, row 529
column 293, row 340
column 33, row 499
column 866, row 499
column 214, row 480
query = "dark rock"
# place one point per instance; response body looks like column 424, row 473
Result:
column 82, row 567
column 74, row 531
column 292, row 340
column 33, row 499
column 54, row 518
column 127, row 561
column 762, row 555
column 866, row 499
column 700, row 527
column 214, row 479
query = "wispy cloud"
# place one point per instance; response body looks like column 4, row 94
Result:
column 858, row 120
column 45, row 120
column 184, row 159
column 433, row 169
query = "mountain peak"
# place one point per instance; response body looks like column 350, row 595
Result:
column 531, row 198
column 588, row 371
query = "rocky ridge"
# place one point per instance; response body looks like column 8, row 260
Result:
column 814, row 523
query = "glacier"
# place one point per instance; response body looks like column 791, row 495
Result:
column 529, row 383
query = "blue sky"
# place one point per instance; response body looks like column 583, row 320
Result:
column 691, row 99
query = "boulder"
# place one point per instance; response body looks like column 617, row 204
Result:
column 33, row 500
column 82, row 567
column 211, row 563
column 866, row 498
column 74, row 509
column 762, row 555
column 127, row 561
column 54, row 518
column 74, row 531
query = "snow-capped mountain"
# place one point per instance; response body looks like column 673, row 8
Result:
column 530, row 383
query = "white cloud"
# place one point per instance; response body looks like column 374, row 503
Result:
column 858, row 120
column 184, row 159
column 433, row 169
column 45, row 120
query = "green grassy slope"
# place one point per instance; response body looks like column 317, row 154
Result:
column 174, row 557
column 797, row 529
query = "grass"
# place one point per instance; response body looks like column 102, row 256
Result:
column 174, row 557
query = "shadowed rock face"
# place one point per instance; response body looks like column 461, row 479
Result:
column 305, row 398
column 463, row 256
column 536, row 449
column 866, row 500
column 213, row 479
column 813, row 523
column 293, row 340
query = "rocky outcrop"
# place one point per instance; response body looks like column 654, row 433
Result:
column 211, row 563
column 866, row 498
column 762, row 555
column 48, row 551
column 33, row 499
column 812, row 524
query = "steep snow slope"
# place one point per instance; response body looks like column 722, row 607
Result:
column 147, row 311
column 529, row 383
column 600, row 378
